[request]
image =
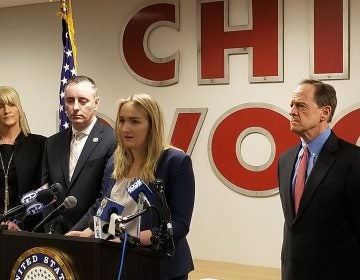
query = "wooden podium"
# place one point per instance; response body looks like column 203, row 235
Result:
column 70, row 258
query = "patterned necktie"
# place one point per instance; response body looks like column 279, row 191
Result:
column 75, row 151
column 300, row 178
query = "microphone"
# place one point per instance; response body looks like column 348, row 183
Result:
column 101, row 228
column 31, row 195
column 43, row 197
column 108, row 207
column 117, row 222
column 139, row 191
column 56, row 188
column 103, row 214
column 129, row 218
column 69, row 202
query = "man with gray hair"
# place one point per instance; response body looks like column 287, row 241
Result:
column 319, row 185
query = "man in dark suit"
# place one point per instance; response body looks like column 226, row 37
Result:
column 322, row 232
column 78, row 162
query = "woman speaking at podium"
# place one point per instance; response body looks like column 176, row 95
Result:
column 142, row 152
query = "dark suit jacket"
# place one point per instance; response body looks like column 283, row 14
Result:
column 322, row 242
column 28, row 153
column 175, row 169
column 85, row 183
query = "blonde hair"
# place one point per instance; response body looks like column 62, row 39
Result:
column 9, row 96
column 156, row 142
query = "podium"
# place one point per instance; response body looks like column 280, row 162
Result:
column 72, row 258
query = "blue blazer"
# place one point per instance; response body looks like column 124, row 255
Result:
column 175, row 169
column 322, row 241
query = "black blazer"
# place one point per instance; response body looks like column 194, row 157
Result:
column 175, row 169
column 85, row 183
column 322, row 242
column 28, row 153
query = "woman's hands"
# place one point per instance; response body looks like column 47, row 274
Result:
column 11, row 226
column 85, row 233
column 145, row 236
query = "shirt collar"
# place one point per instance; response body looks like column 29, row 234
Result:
column 87, row 130
column 316, row 145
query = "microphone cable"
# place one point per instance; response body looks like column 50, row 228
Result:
column 122, row 257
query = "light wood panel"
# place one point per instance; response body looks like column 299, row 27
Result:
column 230, row 271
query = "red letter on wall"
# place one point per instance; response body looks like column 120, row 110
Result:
column 186, row 127
column 229, row 132
column 225, row 143
column 261, row 38
column 347, row 125
column 329, row 56
column 135, row 53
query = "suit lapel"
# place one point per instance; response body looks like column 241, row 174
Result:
column 91, row 143
column 321, row 168
column 65, row 157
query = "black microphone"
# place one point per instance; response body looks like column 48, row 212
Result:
column 31, row 195
column 69, row 202
column 43, row 197
column 56, row 188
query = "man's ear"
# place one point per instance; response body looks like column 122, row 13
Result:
column 325, row 112
column 97, row 100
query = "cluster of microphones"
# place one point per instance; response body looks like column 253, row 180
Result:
column 36, row 201
column 108, row 220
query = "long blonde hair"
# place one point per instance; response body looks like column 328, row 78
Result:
column 156, row 142
column 9, row 96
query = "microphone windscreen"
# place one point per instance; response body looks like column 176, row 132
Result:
column 56, row 188
column 45, row 196
column 70, row 202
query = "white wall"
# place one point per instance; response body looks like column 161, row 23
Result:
column 226, row 226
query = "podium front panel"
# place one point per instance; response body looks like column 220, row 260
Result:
column 84, row 258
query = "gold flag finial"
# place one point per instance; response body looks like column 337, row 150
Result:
column 63, row 6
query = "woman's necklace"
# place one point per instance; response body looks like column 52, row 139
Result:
column 6, row 185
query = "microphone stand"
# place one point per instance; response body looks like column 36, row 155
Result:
column 162, row 237
column 58, row 220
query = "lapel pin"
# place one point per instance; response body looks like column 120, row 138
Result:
column 95, row 140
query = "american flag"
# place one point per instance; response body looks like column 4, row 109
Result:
column 67, row 71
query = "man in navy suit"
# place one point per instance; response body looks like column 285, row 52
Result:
column 321, row 232
column 79, row 171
